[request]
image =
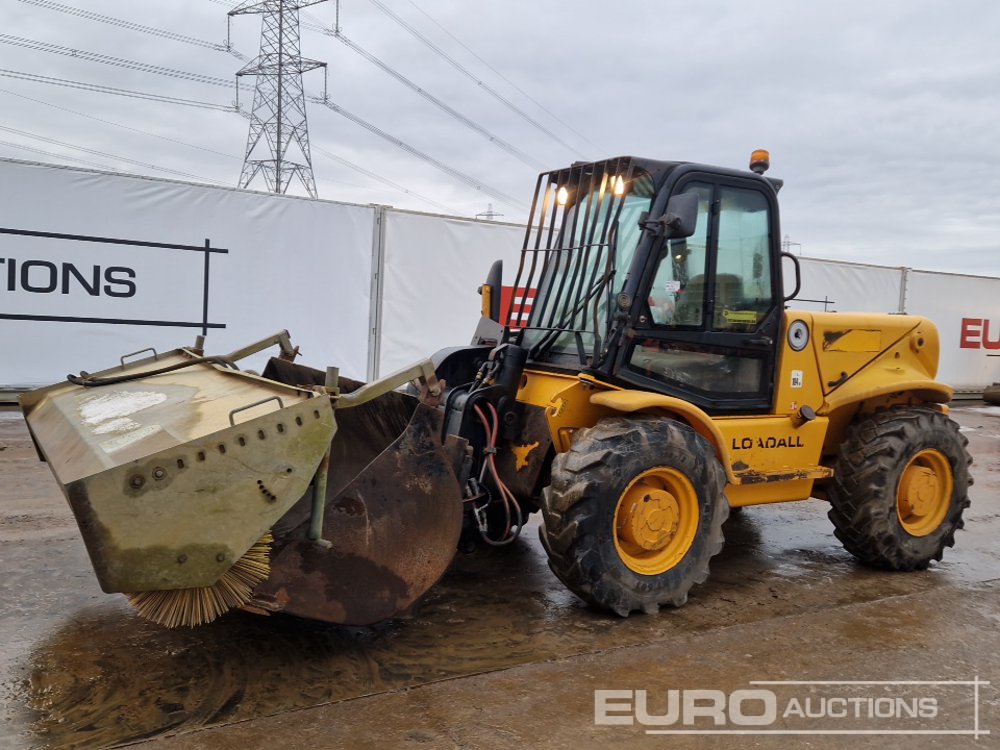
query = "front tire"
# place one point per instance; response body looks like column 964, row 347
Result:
column 900, row 487
column 634, row 513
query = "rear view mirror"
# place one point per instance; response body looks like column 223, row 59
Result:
column 491, row 291
column 798, row 275
column 681, row 218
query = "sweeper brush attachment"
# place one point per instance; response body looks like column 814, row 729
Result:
column 175, row 608
column 200, row 488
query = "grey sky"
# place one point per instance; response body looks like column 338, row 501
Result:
column 881, row 116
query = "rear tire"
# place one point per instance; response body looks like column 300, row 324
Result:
column 900, row 487
column 634, row 513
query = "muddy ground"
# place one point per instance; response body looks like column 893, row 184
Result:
column 499, row 654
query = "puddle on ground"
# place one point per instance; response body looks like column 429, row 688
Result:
column 101, row 676
column 78, row 669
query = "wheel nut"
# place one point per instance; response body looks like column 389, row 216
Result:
column 159, row 472
column 137, row 481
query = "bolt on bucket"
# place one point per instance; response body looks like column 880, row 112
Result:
column 391, row 512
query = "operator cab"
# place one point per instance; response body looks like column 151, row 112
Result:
column 662, row 276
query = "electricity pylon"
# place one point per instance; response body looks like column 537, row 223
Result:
column 278, row 118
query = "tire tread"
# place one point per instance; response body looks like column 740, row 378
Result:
column 572, row 533
column 863, row 491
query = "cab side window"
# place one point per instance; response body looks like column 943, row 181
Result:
column 743, row 290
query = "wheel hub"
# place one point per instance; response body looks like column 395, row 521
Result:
column 924, row 493
column 651, row 518
column 656, row 521
column 920, row 487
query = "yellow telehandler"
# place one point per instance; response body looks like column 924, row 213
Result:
column 641, row 376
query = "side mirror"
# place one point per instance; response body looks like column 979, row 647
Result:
column 490, row 291
column 798, row 276
column 681, row 218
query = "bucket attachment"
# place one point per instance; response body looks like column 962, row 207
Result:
column 181, row 468
column 392, row 511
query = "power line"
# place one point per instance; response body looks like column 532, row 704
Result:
column 458, row 175
column 383, row 180
column 95, row 88
column 341, row 160
column 315, row 24
column 121, row 62
column 118, row 124
column 459, row 67
column 63, row 157
column 210, row 80
column 102, row 89
column 416, row 88
column 105, row 154
column 471, row 124
column 451, row 171
column 131, row 25
column 517, row 88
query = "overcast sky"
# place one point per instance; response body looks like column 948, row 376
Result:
column 881, row 116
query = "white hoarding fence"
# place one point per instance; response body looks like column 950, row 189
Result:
column 432, row 267
column 967, row 312
column 965, row 309
column 95, row 265
column 835, row 286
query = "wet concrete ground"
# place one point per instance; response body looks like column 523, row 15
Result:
column 499, row 654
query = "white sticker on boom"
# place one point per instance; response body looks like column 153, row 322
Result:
column 796, row 378
column 672, row 286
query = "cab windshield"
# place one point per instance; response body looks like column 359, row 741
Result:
column 596, row 235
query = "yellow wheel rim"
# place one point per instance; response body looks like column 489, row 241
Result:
column 924, row 493
column 656, row 521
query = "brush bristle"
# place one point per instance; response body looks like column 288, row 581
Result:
column 190, row 607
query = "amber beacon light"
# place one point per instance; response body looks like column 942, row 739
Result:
column 760, row 161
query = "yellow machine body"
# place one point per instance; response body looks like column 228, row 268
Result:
column 852, row 364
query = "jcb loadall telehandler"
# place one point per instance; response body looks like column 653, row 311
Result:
column 645, row 378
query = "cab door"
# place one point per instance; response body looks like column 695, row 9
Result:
column 712, row 310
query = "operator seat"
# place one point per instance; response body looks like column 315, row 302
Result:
column 728, row 295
